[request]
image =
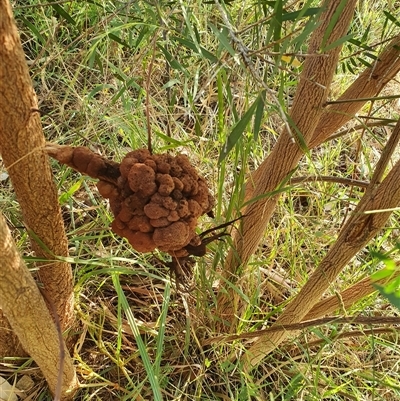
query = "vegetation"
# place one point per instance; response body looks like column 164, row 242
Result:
column 232, row 86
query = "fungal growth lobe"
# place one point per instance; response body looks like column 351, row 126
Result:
column 156, row 198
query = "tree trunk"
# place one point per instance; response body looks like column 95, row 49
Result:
column 366, row 86
column 348, row 297
column 334, row 116
column 357, row 232
column 25, row 309
column 21, row 147
column 309, row 100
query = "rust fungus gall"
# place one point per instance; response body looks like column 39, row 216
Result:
column 156, row 199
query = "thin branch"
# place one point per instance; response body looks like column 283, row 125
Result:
column 244, row 52
column 362, row 99
column 384, row 160
column 362, row 320
column 347, row 334
column 328, row 178
column 149, row 145
column 384, row 123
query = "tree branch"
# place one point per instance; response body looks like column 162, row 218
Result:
column 25, row 309
column 21, row 147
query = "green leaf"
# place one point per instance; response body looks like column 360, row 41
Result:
column 358, row 43
column 392, row 297
column 62, row 13
column 259, row 114
column 276, row 24
column 392, row 286
column 365, row 34
column 153, row 379
column 381, row 274
column 225, row 41
column 99, row 88
column 338, row 42
column 237, row 131
column 64, row 198
column 196, row 48
column 297, row 135
column 117, row 39
column 270, row 194
column 305, row 12
column 161, row 329
column 39, row 242
column 331, row 26
column 142, row 34
column 172, row 61
column 391, row 18
column 370, row 55
column 170, row 140
column 364, row 62
column 34, row 30
column 171, row 83
column 305, row 34
column 350, row 68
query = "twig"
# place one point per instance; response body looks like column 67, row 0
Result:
column 244, row 52
column 386, row 155
column 348, row 334
column 328, row 178
column 385, row 123
column 363, row 320
column 149, row 145
column 363, row 99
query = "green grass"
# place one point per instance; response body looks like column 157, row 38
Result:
column 140, row 337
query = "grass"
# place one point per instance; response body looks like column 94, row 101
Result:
column 139, row 336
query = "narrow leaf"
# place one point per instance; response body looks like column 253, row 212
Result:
column 197, row 49
column 222, row 36
column 391, row 18
column 68, row 194
column 99, row 88
column 153, row 379
column 293, row 16
column 259, row 115
column 62, row 13
column 338, row 42
column 34, row 30
column 172, row 60
column 161, row 328
column 237, row 131
column 392, row 297
column 117, row 39
column 331, row 25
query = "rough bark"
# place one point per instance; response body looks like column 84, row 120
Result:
column 25, row 309
column 9, row 343
column 309, row 99
column 346, row 298
column 21, row 143
column 356, row 233
column 367, row 85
